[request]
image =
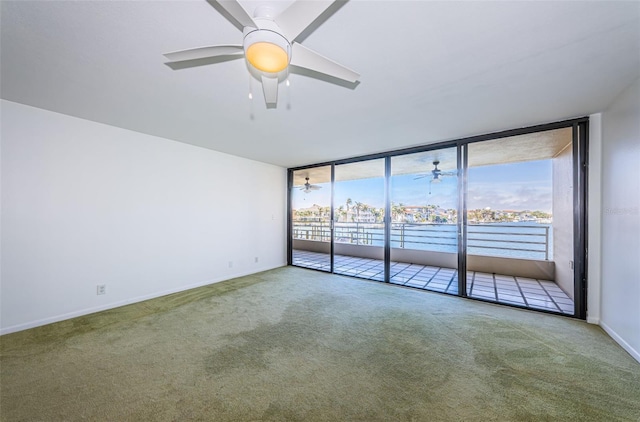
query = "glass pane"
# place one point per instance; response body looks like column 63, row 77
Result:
column 359, row 214
column 424, row 217
column 311, row 218
column 520, row 220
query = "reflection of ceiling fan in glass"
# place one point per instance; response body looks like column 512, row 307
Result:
column 436, row 175
column 308, row 187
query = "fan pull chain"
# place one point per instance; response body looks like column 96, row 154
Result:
column 288, row 90
column 251, row 115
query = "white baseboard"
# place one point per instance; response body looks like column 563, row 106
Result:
column 626, row 346
column 87, row 311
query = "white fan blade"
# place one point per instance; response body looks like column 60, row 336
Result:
column 236, row 10
column 205, row 52
column 295, row 18
column 270, row 89
column 301, row 56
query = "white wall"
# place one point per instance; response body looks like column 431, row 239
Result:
column 620, row 272
column 86, row 204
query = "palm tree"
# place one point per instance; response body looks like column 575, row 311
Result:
column 379, row 214
column 366, row 208
column 340, row 212
column 358, row 208
column 397, row 211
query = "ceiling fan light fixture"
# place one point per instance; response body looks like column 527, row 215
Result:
column 267, row 57
column 267, row 51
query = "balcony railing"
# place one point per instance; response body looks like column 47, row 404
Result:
column 506, row 240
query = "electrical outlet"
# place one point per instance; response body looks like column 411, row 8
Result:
column 230, row 264
column 101, row 289
column 256, row 260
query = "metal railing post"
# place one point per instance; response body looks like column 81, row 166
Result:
column 546, row 243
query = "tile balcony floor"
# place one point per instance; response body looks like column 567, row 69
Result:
column 520, row 291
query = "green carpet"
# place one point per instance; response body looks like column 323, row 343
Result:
column 298, row 345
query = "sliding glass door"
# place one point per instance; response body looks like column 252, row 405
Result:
column 310, row 198
column 424, row 220
column 359, row 209
column 520, row 220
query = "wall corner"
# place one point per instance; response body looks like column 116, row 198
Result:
column 594, row 216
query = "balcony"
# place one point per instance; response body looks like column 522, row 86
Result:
column 506, row 263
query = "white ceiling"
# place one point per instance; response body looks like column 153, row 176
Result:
column 431, row 71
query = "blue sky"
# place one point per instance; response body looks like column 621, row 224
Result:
column 515, row 186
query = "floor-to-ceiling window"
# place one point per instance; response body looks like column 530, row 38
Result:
column 310, row 197
column 520, row 220
column 359, row 205
column 496, row 217
column 424, row 220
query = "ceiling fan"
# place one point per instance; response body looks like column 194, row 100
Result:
column 436, row 175
column 308, row 187
column 269, row 44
